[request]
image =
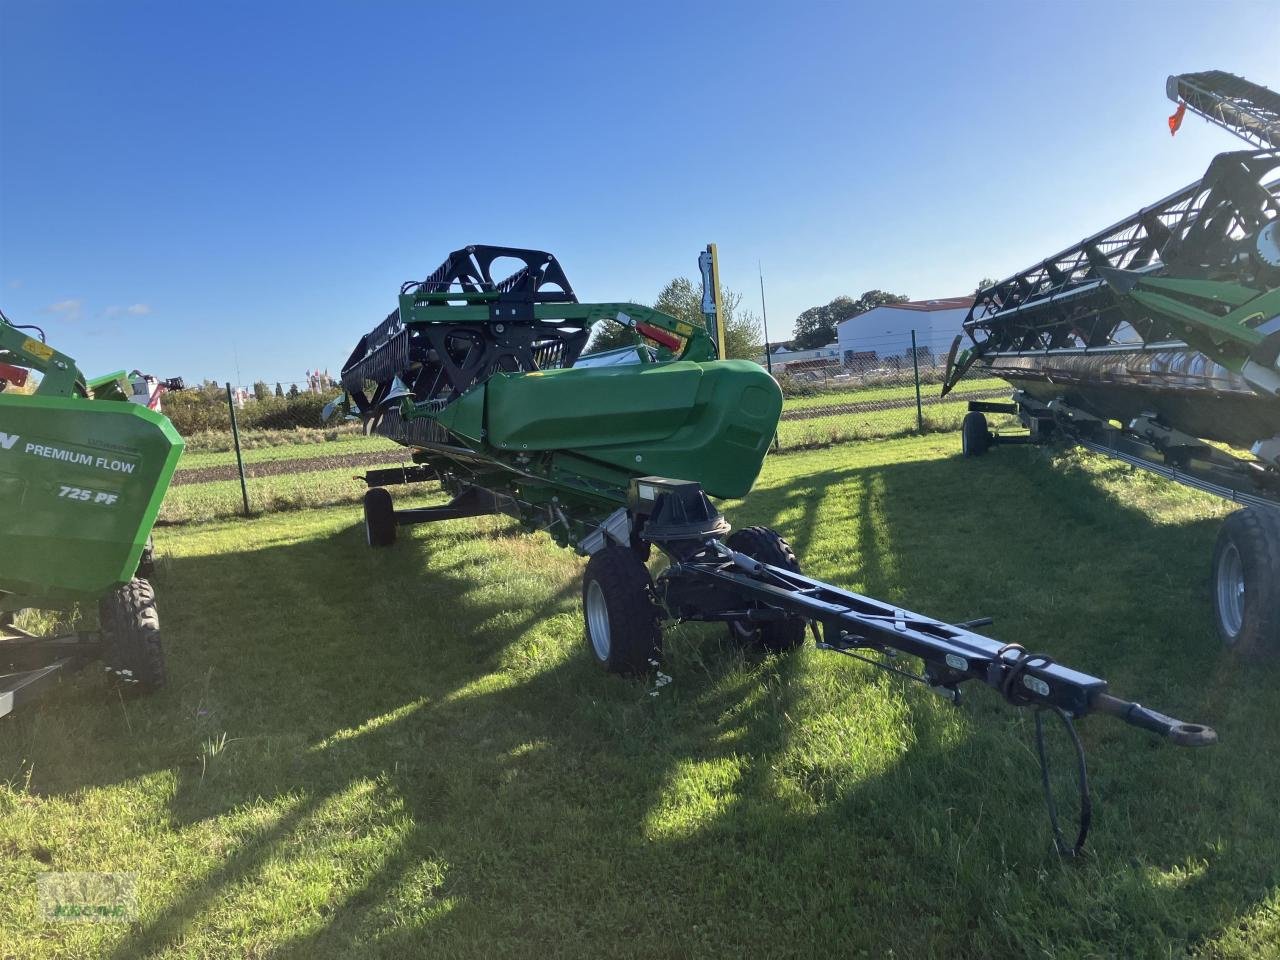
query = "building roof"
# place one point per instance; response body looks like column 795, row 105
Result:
column 941, row 303
column 919, row 306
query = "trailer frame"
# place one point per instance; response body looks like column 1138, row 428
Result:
column 707, row 580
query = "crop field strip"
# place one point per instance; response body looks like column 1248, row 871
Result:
column 270, row 468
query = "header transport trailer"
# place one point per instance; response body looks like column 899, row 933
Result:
column 478, row 373
column 84, row 465
column 1157, row 342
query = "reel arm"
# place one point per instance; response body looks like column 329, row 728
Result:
column 60, row 375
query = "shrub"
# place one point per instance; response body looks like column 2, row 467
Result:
column 797, row 386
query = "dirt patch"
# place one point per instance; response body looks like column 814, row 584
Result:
column 273, row 468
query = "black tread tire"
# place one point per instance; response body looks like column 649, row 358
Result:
column 147, row 561
column 975, row 435
column 767, row 546
column 131, row 648
column 1254, row 533
column 626, row 591
column 379, row 518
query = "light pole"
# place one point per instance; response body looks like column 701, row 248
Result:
column 764, row 316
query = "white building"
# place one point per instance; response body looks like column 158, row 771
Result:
column 886, row 330
column 781, row 355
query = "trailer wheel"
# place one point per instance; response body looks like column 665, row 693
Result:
column 131, row 649
column 620, row 611
column 767, row 546
column 975, row 436
column 379, row 518
column 1246, row 582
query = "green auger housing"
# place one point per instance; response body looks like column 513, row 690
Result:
column 82, row 473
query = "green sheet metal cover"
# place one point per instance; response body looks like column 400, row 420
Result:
column 711, row 422
column 588, row 407
column 725, row 438
column 80, row 486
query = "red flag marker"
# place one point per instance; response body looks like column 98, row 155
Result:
column 1175, row 121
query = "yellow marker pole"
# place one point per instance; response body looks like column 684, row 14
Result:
column 715, row 287
column 712, row 308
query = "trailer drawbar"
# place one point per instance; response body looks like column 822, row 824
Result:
column 750, row 579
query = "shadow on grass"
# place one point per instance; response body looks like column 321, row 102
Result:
column 567, row 806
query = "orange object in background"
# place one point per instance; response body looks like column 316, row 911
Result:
column 1175, row 121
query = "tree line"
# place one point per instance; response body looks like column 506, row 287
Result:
column 682, row 299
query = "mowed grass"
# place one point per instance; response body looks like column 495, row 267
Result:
column 842, row 427
column 408, row 752
column 287, row 491
column 905, row 389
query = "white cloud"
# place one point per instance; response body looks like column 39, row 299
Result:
column 70, row 310
column 14, row 284
column 133, row 310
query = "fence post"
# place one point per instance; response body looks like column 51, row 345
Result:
column 235, row 437
column 915, row 365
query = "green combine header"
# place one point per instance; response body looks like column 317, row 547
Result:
column 618, row 455
column 82, row 473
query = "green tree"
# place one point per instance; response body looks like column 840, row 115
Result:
column 279, row 390
column 816, row 327
column 983, row 284
column 293, row 391
column 261, row 391
column 609, row 335
column 682, row 299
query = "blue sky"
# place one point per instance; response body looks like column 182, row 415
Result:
column 186, row 186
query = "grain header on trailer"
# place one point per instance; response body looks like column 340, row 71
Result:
column 480, row 374
column 1157, row 341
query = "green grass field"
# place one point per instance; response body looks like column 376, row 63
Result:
column 907, row 391
column 409, row 753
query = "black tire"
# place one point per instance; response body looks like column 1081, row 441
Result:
column 1246, row 582
column 147, row 562
column 975, row 435
column 131, row 649
column 620, row 611
column 767, row 546
column 379, row 518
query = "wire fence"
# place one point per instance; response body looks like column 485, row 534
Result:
column 257, row 449
column 873, row 388
column 262, row 448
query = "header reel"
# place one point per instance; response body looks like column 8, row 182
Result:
column 440, row 360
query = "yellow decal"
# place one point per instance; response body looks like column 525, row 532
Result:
column 38, row 349
column 683, row 329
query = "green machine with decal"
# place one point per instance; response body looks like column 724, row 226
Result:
column 82, row 473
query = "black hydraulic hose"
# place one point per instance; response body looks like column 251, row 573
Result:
column 24, row 326
column 1082, row 782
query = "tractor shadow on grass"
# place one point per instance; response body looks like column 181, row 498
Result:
column 739, row 797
